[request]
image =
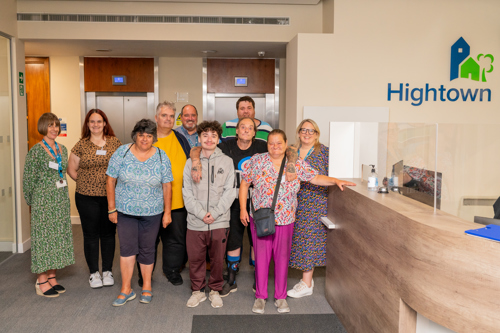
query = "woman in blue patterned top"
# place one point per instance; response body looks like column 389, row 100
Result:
column 139, row 194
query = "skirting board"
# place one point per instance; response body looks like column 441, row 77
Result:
column 5, row 246
column 25, row 246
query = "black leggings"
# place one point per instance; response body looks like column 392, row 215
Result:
column 96, row 227
column 237, row 229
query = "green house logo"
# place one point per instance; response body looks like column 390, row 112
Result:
column 462, row 65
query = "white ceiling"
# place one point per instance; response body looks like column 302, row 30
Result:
column 152, row 48
column 162, row 48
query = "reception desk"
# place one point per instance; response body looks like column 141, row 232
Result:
column 390, row 257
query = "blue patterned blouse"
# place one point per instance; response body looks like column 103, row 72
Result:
column 139, row 189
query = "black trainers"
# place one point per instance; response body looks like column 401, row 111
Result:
column 227, row 289
column 174, row 278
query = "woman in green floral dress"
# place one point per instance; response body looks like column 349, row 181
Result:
column 46, row 192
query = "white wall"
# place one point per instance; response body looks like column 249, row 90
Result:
column 8, row 17
column 391, row 41
column 181, row 75
column 65, row 103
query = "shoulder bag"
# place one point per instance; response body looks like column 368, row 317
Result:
column 264, row 218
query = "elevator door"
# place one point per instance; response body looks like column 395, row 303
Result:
column 123, row 113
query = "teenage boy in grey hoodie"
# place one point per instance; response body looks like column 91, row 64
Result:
column 207, row 203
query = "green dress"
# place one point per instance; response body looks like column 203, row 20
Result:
column 51, row 234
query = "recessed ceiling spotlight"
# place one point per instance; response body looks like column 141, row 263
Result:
column 209, row 51
column 261, row 53
column 104, row 50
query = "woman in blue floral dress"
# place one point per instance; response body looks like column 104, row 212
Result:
column 46, row 192
column 309, row 234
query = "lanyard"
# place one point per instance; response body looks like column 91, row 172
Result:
column 308, row 153
column 58, row 156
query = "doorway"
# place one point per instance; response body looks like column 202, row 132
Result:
column 37, row 95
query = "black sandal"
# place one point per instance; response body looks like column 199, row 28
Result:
column 60, row 289
column 49, row 293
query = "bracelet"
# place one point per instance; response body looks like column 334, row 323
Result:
column 111, row 211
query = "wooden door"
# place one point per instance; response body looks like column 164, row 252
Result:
column 37, row 95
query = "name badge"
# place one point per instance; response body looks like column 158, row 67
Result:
column 61, row 183
column 283, row 178
column 53, row 165
column 100, row 152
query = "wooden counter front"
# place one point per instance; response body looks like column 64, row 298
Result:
column 391, row 257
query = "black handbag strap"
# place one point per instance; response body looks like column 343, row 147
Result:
column 277, row 188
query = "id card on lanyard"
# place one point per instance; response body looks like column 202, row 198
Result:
column 52, row 165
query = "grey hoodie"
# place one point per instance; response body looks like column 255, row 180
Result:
column 216, row 190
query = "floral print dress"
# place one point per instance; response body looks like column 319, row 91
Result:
column 309, row 233
column 51, row 233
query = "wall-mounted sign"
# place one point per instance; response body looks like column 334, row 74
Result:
column 119, row 80
column 64, row 127
column 21, row 77
column 178, row 121
column 462, row 66
column 21, row 90
column 240, row 81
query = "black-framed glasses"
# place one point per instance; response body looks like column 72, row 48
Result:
column 307, row 130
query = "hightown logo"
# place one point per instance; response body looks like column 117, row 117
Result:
column 463, row 66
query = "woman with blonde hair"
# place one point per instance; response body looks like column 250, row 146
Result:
column 309, row 235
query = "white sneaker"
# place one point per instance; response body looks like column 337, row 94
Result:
column 195, row 299
column 107, row 279
column 300, row 290
column 214, row 297
column 95, row 280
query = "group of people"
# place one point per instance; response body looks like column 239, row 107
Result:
column 193, row 189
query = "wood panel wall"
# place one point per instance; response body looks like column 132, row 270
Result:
column 390, row 258
column 37, row 82
column 99, row 72
column 260, row 73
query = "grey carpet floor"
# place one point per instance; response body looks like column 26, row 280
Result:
column 278, row 323
column 82, row 309
column 5, row 256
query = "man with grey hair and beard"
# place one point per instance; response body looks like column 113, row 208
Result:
column 177, row 149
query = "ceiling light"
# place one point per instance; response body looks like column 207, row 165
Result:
column 209, row 51
column 104, row 50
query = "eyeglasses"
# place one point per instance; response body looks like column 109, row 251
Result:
column 307, row 130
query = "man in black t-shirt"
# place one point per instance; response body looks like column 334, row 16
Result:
column 240, row 150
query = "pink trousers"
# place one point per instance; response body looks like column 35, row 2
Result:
column 277, row 246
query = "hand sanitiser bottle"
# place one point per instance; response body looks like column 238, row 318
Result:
column 394, row 178
column 373, row 180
